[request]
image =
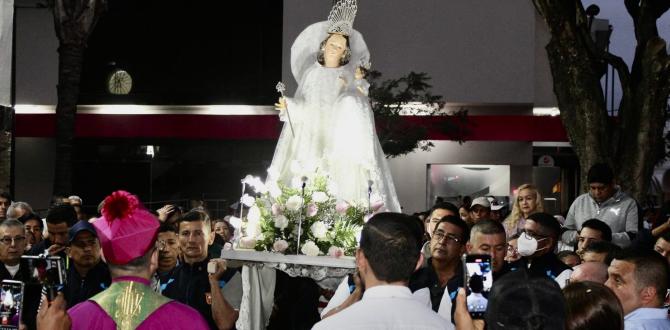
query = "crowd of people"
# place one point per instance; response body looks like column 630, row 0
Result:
column 132, row 268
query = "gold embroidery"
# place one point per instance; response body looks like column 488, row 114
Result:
column 128, row 307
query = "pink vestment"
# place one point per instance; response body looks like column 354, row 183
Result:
column 173, row 315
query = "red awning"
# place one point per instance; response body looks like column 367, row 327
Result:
column 243, row 127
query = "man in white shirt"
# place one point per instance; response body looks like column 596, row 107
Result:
column 640, row 281
column 389, row 252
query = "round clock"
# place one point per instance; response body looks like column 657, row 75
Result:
column 119, row 82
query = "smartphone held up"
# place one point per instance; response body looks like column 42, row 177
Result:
column 478, row 280
column 11, row 304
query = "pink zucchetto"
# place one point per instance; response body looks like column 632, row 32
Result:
column 126, row 230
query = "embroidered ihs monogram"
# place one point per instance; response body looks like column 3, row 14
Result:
column 129, row 304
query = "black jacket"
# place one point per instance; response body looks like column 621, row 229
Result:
column 78, row 289
column 32, row 292
column 546, row 265
column 189, row 284
column 426, row 277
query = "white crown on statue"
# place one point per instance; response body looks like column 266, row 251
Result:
column 342, row 17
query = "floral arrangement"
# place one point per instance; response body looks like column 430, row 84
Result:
column 277, row 212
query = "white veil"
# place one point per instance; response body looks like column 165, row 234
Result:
column 306, row 46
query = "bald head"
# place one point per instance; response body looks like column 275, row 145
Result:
column 590, row 271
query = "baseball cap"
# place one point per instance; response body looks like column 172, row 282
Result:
column 78, row 228
column 481, row 201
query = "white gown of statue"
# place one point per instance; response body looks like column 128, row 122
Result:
column 334, row 127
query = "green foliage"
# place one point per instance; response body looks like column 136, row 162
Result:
column 410, row 95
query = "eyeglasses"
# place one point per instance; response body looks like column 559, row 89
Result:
column 10, row 240
column 451, row 238
column 511, row 249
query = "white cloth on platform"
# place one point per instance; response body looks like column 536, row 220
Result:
column 333, row 125
column 258, row 289
column 385, row 307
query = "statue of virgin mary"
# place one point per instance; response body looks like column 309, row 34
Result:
column 332, row 129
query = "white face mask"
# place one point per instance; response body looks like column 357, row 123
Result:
column 527, row 246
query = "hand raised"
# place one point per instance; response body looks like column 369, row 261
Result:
column 281, row 104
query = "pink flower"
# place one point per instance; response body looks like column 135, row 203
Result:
column 276, row 209
column 312, row 209
column 342, row 207
column 280, row 246
column 335, row 251
column 377, row 205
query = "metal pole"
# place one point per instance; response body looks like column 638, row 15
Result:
column 302, row 208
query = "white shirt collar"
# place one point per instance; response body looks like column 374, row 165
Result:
column 647, row 313
column 387, row 291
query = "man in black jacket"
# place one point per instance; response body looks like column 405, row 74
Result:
column 12, row 244
column 537, row 244
column 87, row 274
column 191, row 284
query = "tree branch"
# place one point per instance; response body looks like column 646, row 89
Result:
column 659, row 7
column 624, row 78
column 633, row 8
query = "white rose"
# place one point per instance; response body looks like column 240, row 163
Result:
column 319, row 230
column 310, row 249
column 281, row 222
column 247, row 243
column 280, row 246
column 319, row 197
column 254, row 214
column 294, row 203
column 248, row 201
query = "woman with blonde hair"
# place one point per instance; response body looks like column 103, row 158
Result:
column 526, row 202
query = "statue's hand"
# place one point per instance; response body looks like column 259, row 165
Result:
column 281, row 104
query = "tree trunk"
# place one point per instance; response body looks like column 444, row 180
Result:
column 6, row 129
column 69, row 75
column 74, row 21
column 633, row 142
